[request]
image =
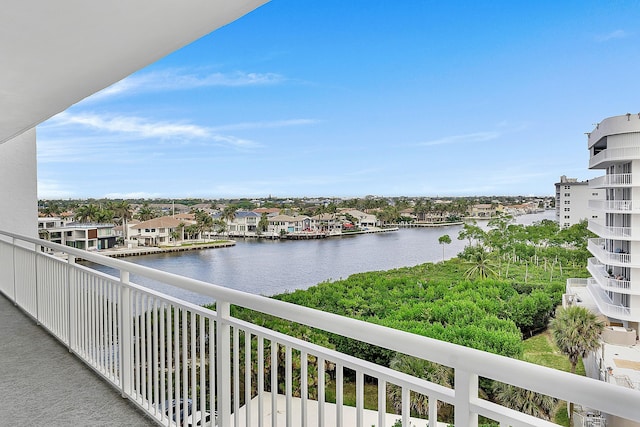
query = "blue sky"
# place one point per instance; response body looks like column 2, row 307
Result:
column 350, row 98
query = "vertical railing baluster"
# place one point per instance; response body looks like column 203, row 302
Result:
column 247, row 377
column 185, row 366
column 150, row 341
column 156, row 354
column 382, row 401
column 164, row 367
column 321, row 391
column 406, row 405
column 137, row 335
column 73, row 306
column 433, row 411
column 466, row 390
column 339, row 394
column 223, row 352
column 304, row 387
column 359, row 398
column 274, row 383
column 213, row 355
column 260, row 392
column 203, row 367
column 236, row 376
column 192, row 363
column 288, row 368
column 126, row 338
column 170, row 365
column 176, row 361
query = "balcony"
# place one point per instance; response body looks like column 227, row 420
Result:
column 613, row 206
column 153, row 347
column 610, row 156
column 597, row 248
column 606, row 306
column 608, row 232
column 612, row 180
column 605, row 282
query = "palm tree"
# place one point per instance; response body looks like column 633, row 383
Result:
column 481, row 265
column 87, row 213
column 576, row 331
column 525, row 401
column 146, row 212
column 444, row 240
column 420, row 368
column 229, row 213
column 122, row 210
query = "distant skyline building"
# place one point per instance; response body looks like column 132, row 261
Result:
column 573, row 201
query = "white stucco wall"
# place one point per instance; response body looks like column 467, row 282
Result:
column 19, row 185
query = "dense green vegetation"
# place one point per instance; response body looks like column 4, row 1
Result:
column 502, row 288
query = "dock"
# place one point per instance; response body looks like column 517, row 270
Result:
column 125, row 252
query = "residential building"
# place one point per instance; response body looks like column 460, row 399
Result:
column 53, row 58
column 613, row 291
column 572, row 201
column 157, row 231
column 87, row 236
column 363, row 219
column 287, row 224
column 482, row 210
column 245, row 223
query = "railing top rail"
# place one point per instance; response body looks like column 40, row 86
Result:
column 585, row 391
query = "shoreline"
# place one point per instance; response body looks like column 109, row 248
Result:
column 126, row 252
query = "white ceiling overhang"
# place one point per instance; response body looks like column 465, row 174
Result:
column 55, row 53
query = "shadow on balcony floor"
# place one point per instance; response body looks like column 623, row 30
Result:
column 42, row 384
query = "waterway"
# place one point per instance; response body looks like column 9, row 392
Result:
column 269, row 267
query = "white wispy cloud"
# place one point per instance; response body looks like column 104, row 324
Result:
column 178, row 79
column 468, row 137
column 616, row 34
column 136, row 126
column 265, row 124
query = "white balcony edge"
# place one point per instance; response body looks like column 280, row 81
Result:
column 80, row 314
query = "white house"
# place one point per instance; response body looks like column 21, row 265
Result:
column 156, row 231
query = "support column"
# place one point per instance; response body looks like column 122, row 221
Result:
column 19, row 185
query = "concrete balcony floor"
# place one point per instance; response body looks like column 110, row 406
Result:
column 42, row 384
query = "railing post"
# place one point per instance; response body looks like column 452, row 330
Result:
column 223, row 362
column 13, row 263
column 71, row 292
column 126, row 338
column 466, row 384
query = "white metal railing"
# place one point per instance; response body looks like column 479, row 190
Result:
column 620, row 206
column 597, row 248
column 605, row 305
column 614, row 154
column 610, row 232
column 158, row 349
column 612, row 180
column 606, row 281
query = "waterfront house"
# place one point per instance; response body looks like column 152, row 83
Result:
column 329, row 223
column 287, row 224
column 244, row 223
column 57, row 54
column 87, row 236
column 482, row 210
column 363, row 219
column 157, row 231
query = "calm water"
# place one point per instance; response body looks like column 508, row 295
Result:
column 270, row 267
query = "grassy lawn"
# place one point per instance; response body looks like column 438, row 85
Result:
column 541, row 350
